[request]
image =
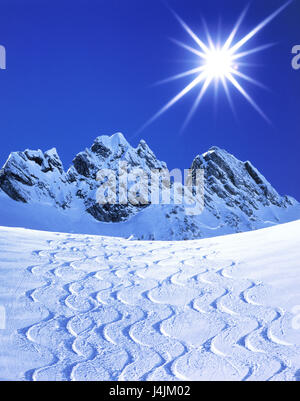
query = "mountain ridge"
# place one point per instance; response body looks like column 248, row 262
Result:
column 237, row 196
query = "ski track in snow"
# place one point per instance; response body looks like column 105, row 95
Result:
column 123, row 310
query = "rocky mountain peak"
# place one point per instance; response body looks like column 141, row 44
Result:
column 237, row 196
column 34, row 176
column 238, row 183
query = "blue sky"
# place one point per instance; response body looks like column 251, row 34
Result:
column 79, row 69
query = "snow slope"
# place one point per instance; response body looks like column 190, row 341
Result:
column 149, row 224
column 82, row 307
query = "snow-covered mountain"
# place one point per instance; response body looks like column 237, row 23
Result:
column 36, row 192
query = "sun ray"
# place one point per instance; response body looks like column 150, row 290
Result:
column 244, row 64
column 182, row 75
column 247, row 96
column 216, row 91
column 252, row 51
column 189, row 48
column 224, row 82
column 175, row 99
column 234, row 32
column 259, row 27
column 191, row 33
column 197, row 101
column 249, row 79
column 209, row 38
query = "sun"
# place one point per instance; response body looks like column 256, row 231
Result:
column 218, row 63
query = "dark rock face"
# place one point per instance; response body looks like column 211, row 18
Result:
column 145, row 153
column 82, row 164
column 110, row 213
column 236, row 183
column 100, row 150
column 6, row 184
column 35, row 176
column 235, row 192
